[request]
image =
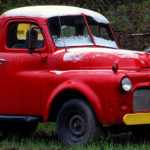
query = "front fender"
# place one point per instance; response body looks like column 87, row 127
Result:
column 82, row 88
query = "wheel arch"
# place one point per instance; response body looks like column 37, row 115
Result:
column 65, row 96
column 69, row 90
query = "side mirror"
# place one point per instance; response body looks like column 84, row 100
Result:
column 32, row 39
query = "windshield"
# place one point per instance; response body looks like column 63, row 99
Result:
column 102, row 33
column 69, row 31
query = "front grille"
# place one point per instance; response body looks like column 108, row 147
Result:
column 141, row 100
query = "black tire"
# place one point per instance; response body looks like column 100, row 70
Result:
column 77, row 123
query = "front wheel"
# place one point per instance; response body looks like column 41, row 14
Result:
column 77, row 123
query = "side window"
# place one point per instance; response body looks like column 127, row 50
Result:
column 17, row 35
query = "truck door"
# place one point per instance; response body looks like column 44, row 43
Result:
column 20, row 92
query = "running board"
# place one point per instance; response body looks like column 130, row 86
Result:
column 28, row 119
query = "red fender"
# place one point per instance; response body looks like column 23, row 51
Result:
column 82, row 88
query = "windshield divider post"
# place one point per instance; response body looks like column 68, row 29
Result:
column 89, row 30
column 62, row 33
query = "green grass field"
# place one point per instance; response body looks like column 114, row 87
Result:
column 46, row 138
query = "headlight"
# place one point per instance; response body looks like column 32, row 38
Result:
column 126, row 84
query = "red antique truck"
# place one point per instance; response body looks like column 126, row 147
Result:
column 63, row 64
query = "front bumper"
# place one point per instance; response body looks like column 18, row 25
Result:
column 137, row 119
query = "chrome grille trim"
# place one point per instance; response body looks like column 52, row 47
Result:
column 141, row 100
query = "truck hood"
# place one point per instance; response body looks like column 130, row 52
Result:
column 101, row 58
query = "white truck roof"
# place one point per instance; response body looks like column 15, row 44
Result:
column 53, row 10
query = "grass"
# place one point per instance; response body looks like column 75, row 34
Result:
column 46, row 138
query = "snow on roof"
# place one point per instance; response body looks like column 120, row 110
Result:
column 53, row 10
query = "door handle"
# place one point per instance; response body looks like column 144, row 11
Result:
column 2, row 60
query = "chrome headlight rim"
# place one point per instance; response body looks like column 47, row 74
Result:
column 126, row 84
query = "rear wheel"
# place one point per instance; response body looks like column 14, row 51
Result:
column 77, row 123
